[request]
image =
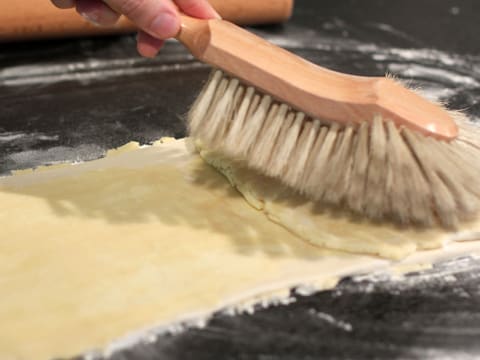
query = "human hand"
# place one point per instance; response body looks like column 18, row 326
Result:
column 157, row 20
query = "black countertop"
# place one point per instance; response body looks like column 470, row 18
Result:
column 74, row 99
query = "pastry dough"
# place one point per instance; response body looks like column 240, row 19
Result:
column 144, row 237
column 327, row 229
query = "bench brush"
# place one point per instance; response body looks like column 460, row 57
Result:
column 367, row 145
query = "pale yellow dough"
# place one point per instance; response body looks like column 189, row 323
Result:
column 146, row 236
column 329, row 229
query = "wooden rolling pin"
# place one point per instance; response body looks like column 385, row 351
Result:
column 37, row 19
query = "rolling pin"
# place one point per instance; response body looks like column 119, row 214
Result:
column 39, row 19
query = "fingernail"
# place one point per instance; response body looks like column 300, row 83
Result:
column 91, row 17
column 165, row 25
column 109, row 17
column 217, row 15
column 64, row 4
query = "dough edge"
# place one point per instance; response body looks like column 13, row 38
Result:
column 258, row 296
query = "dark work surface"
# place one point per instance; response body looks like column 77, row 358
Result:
column 73, row 99
column 434, row 314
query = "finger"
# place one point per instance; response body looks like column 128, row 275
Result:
column 64, row 4
column 147, row 45
column 97, row 12
column 198, row 8
column 159, row 18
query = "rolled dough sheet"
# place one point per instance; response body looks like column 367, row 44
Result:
column 142, row 238
column 326, row 228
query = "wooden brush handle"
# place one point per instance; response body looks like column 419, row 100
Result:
column 319, row 92
column 34, row 19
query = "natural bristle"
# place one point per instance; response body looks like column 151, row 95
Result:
column 374, row 170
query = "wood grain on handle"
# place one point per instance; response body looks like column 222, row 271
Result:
column 318, row 92
column 34, row 19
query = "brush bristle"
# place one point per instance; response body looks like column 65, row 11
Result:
column 373, row 170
